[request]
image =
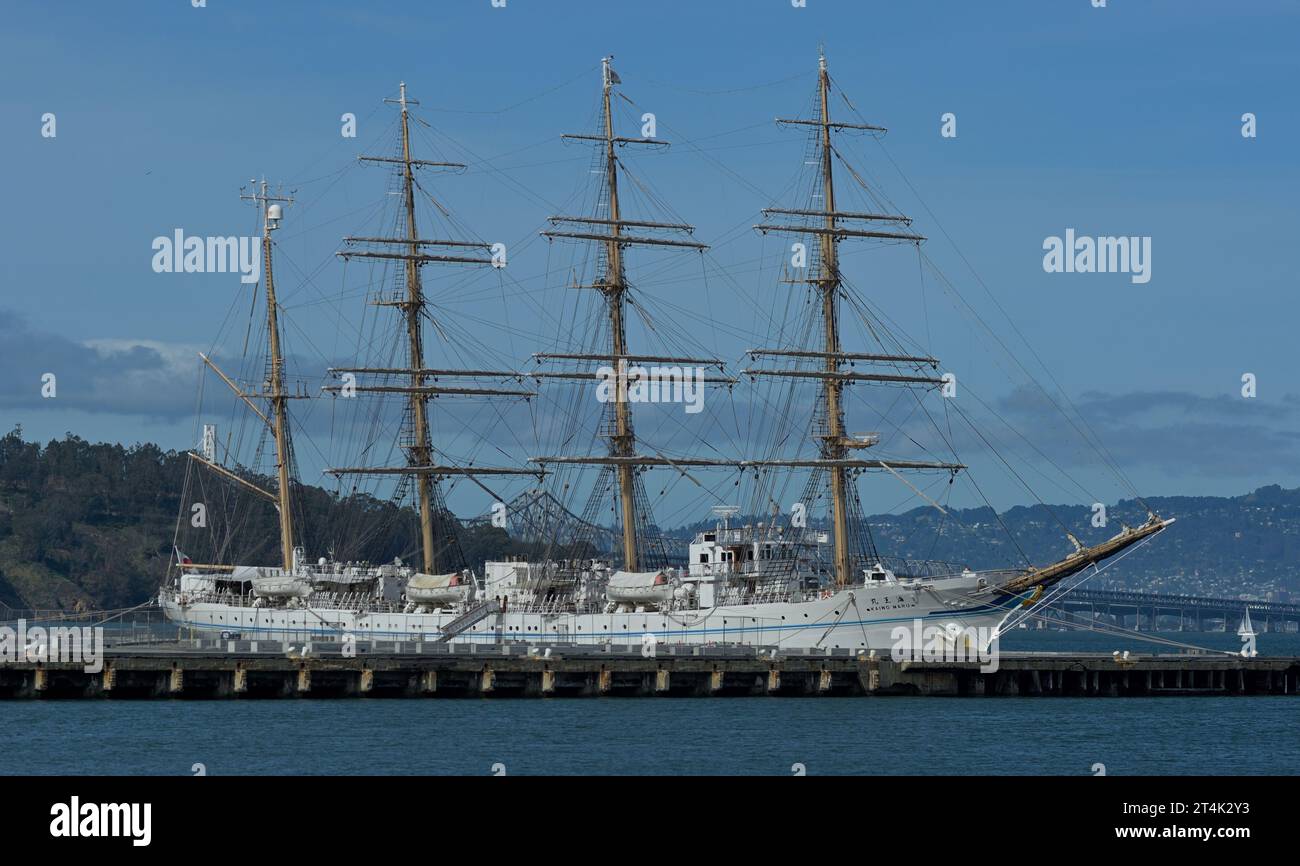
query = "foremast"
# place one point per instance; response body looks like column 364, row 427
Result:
column 826, row 225
column 830, row 226
column 419, row 450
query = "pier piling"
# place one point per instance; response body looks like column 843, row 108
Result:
column 505, row 671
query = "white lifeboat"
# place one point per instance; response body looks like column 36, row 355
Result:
column 639, row 587
column 281, row 586
column 439, row 589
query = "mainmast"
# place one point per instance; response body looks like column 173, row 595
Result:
column 612, row 285
column 276, row 393
column 419, row 450
column 834, row 443
column 623, row 441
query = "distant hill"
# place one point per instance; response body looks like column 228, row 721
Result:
column 92, row 525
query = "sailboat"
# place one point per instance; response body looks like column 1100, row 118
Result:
column 781, row 583
column 1246, row 631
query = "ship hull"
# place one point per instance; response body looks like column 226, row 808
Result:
column 857, row 619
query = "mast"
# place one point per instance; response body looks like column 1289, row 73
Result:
column 624, row 440
column 279, row 397
column 829, row 288
column 825, row 223
column 612, row 285
column 419, row 451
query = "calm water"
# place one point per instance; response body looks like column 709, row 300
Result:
column 657, row 736
column 672, row 736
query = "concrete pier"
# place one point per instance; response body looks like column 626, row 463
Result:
column 520, row 671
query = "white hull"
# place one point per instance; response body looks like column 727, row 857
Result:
column 857, row 618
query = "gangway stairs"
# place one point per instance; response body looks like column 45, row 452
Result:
column 468, row 619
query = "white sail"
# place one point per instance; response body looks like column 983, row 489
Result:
column 1246, row 629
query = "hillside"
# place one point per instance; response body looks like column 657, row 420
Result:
column 92, row 525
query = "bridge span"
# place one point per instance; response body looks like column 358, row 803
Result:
column 1145, row 610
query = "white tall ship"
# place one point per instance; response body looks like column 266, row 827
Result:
column 780, row 583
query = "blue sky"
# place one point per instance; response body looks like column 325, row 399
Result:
column 1123, row 120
